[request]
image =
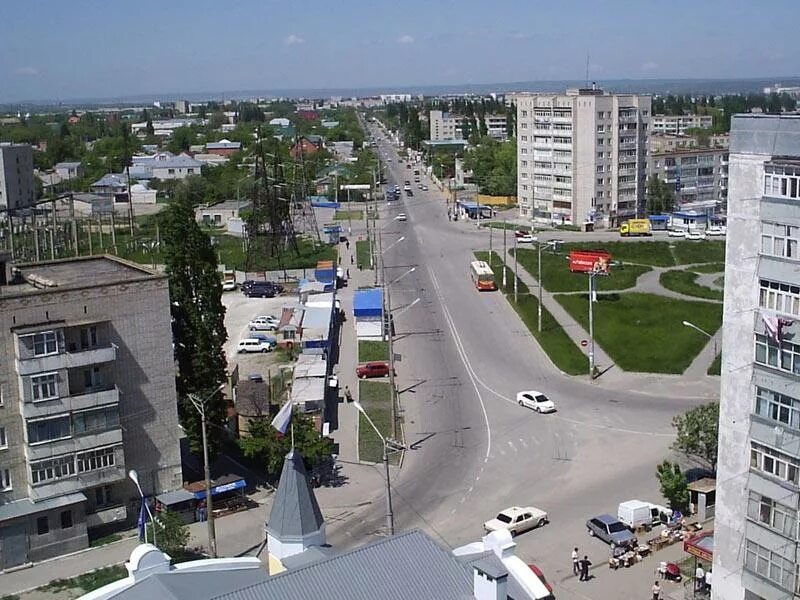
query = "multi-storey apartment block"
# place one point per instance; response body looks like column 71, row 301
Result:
column 695, row 174
column 756, row 551
column 16, row 176
column 87, row 392
column 581, row 156
column 445, row 126
column 678, row 124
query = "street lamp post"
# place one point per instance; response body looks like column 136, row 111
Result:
column 591, row 324
column 547, row 245
column 134, row 477
column 200, row 406
column 705, row 333
column 385, row 459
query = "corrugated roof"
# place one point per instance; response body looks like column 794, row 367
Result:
column 23, row 507
column 295, row 512
column 410, row 566
column 368, row 302
column 197, row 585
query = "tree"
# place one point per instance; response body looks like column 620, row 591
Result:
column 171, row 533
column 198, row 327
column 182, row 138
column 660, row 197
column 673, row 485
column 698, row 433
column 268, row 447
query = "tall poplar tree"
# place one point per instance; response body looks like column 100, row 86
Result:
column 198, row 327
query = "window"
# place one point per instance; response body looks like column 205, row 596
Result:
column 774, row 515
column 103, row 496
column 775, row 463
column 524, row 113
column 3, row 438
column 171, row 171
column 95, row 459
column 778, row 407
column 54, row 468
column 601, row 128
column 2, row 393
column 768, row 564
column 48, row 430
column 780, row 240
column 98, row 419
column 780, row 297
column 89, row 337
column 785, row 356
column 5, row 480
column 44, row 387
column 600, row 168
column 42, row 526
column 66, row 519
column 45, row 343
column 524, row 138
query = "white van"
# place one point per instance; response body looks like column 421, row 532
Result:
column 253, row 345
column 636, row 513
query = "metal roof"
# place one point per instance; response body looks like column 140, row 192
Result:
column 403, row 567
column 295, row 512
column 175, row 497
column 197, row 585
column 310, row 365
column 23, row 507
column 368, row 303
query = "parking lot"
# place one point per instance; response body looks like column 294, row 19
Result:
column 239, row 311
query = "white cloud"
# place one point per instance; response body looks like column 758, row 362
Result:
column 28, row 71
column 293, row 39
column 649, row 66
column 405, row 39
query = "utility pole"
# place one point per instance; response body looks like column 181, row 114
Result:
column 490, row 239
column 516, row 285
column 591, row 325
column 539, row 281
column 505, row 254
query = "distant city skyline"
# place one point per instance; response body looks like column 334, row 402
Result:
column 52, row 51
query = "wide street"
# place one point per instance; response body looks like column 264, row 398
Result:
column 474, row 451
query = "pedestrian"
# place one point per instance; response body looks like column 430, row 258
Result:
column 708, row 580
column 575, row 568
column 585, row 564
column 348, row 273
column 656, row 591
column 352, row 259
column 699, row 578
column 347, row 395
column 347, row 244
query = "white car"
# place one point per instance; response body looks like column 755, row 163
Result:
column 716, row 230
column 401, row 217
column 676, row 233
column 268, row 323
column 228, row 286
column 253, row 345
column 536, row 401
column 517, row 519
column 695, row 235
column 526, row 238
column 424, row 188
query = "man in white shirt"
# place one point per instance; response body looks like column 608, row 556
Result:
column 575, row 561
column 699, row 578
column 708, row 580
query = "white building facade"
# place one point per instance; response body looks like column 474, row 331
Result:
column 445, row 126
column 581, row 156
column 678, row 124
column 758, row 476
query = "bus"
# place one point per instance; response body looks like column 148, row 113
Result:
column 482, row 275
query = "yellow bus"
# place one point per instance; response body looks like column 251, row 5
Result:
column 482, row 275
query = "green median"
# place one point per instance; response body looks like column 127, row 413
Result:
column 558, row 346
column 375, row 397
column 363, row 254
column 685, row 282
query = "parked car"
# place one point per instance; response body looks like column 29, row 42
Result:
column 269, row 339
column 253, row 345
column 538, row 572
column 517, row 519
column 228, row 285
column 424, row 188
column 536, row 401
column 377, row 368
column 611, row 530
column 269, row 323
column 693, row 234
column 525, row 239
column 401, row 217
column 716, row 230
column 676, row 233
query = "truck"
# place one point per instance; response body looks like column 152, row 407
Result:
column 637, row 513
column 228, row 281
column 635, row 227
column 586, row 261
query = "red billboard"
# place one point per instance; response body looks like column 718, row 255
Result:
column 587, row 261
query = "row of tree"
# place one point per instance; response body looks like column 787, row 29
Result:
column 721, row 108
column 494, row 166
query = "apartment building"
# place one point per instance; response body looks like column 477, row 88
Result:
column 496, row 126
column 581, row 156
column 696, row 174
column 678, row 124
column 87, row 393
column 444, row 126
column 758, row 477
column 16, row 176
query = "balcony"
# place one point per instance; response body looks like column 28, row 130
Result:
column 80, row 443
column 627, row 145
column 100, row 396
column 66, row 360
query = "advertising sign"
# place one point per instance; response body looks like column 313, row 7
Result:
column 589, row 261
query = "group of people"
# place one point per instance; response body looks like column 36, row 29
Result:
column 702, row 579
column 580, row 566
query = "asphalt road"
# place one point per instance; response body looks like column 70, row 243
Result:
column 474, row 451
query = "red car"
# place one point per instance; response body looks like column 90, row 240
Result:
column 537, row 571
column 372, row 369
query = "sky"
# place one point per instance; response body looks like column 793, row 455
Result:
column 59, row 49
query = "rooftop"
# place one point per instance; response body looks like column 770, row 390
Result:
column 76, row 273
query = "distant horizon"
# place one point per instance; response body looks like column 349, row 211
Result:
column 644, row 85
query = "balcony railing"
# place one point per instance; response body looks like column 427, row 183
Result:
column 67, row 360
column 100, row 396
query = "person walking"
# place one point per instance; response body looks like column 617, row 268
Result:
column 575, row 560
column 708, row 580
column 352, row 259
column 348, row 397
column 585, row 564
column 699, row 578
column 347, row 244
column 656, row 591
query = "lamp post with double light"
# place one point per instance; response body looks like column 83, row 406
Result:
column 134, row 477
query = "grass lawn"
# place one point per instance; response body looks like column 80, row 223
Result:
column 643, row 332
column 372, row 350
column 558, row 278
column 701, row 251
column 683, row 282
column 363, row 254
column 716, row 366
column 504, row 225
column 375, row 397
column 710, row 268
column 654, row 254
column 352, row 215
column 88, row 582
column 553, row 339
